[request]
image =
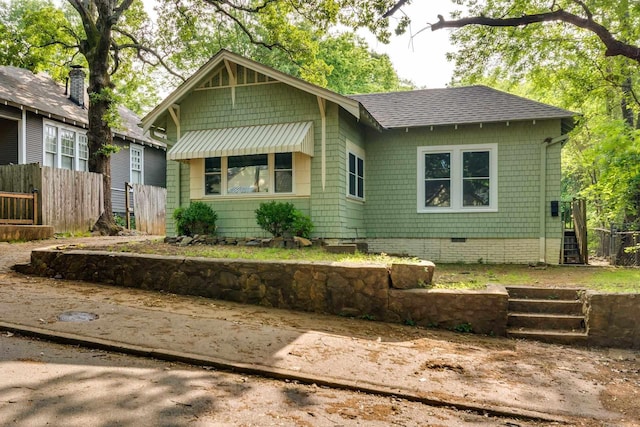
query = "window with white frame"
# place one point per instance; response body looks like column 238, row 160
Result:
column 458, row 178
column 83, row 152
column 50, row 146
column 65, row 147
column 355, row 171
column 136, row 154
column 249, row 174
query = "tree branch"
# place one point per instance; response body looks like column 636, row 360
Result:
column 613, row 46
column 139, row 48
column 245, row 30
column 394, row 9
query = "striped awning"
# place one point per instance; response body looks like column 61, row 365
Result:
column 264, row 139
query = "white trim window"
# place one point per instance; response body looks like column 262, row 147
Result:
column 459, row 178
column 136, row 157
column 83, row 152
column 65, row 147
column 50, row 146
column 249, row 175
column 355, row 172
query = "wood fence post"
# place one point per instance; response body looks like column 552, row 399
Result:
column 34, row 192
column 127, row 205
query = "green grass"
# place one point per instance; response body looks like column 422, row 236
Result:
column 311, row 254
column 447, row 276
column 475, row 276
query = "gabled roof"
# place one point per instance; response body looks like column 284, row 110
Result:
column 350, row 105
column 454, row 106
column 40, row 93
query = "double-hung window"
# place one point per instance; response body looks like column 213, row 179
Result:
column 249, row 174
column 458, row 178
column 68, row 148
column 83, row 152
column 136, row 158
column 355, row 172
column 51, row 146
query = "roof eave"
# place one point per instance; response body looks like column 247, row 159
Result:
column 567, row 122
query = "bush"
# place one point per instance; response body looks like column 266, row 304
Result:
column 198, row 218
column 279, row 218
column 302, row 225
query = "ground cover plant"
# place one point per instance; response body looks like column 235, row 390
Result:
column 447, row 276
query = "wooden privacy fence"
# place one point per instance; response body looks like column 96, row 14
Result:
column 149, row 208
column 70, row 201
column 19, row 208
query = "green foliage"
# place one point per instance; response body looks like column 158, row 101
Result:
column 113, row 100
column 464, row 328
column 108, row 149
column 302, row 225
column 280, row 218
column 297, row 43
column 198, row 218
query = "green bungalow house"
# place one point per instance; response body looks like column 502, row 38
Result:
column 459, row 174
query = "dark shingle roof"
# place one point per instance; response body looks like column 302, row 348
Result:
column 458, row 105
column 38, row 92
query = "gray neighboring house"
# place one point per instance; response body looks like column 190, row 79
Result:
column 43, row 122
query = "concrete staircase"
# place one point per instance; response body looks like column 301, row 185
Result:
column 552, row 315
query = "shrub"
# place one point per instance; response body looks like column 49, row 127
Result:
column 302, row 225
column 279, row 218
column 198, row 218
column 275, row 217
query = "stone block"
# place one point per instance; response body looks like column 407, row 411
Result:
column 411, row 276
column 341, row 249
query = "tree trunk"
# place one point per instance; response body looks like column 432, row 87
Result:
column 100, row 138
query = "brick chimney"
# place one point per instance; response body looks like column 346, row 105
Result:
column 76, row 83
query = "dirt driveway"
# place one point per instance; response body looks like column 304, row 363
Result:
column 591, row 387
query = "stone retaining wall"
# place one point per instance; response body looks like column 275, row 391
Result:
column 612, row 320
column 352, row 290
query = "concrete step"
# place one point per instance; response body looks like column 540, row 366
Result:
column 521, row 305
column 552, row 337
column 526, row 292
column 540, row 321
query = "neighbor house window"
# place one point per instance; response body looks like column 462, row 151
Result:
column 83, row 153
column 250, row 174
column 136, row 157
column 355, row 171
column 68, row 148
column 51, row 146
column 65, row 147
column 457, row 178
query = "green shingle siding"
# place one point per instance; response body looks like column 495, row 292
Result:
column 391, row 209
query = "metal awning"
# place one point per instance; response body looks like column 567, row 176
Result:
column 264, row 139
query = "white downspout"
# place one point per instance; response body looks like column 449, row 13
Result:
column 543, row 192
